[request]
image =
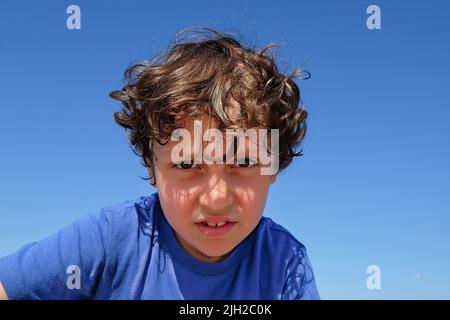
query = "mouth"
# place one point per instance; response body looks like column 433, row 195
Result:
column 216, row 229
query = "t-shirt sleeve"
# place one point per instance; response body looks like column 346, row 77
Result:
column 300, row 283
column 66, row 265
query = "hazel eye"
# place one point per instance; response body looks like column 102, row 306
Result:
column 185, row 165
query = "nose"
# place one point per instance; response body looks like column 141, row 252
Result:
column 216, row 197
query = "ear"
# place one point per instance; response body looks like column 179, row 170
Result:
column 273, row 179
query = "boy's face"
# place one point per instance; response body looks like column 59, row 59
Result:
column 194, row 194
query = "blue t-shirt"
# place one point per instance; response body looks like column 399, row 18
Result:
column 129, row 251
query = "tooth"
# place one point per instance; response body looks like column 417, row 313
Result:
column 220, row 224
column 211, row 224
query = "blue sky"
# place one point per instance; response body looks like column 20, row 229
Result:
column 373, row 186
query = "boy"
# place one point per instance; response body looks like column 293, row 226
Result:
column 202, row 235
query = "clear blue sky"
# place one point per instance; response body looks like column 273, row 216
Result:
column 372, row 188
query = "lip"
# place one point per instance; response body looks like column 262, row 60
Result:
column 216, row 231
column 217, row 219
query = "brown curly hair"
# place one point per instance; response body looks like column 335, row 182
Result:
column 213, row 75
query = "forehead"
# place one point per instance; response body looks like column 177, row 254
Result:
column 201, row 129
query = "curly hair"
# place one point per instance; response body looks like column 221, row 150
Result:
column 213, row 75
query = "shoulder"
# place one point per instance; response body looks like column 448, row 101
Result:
column 276, row 241
column 120, row 224
column 291, row 258
column 269, row 230
column 283, row 248
column 138, row 212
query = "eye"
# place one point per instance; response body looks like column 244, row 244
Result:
column 246, row 163
column 185, row 165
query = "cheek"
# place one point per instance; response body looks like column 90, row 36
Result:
column 178, row 207
column 253, row 192
column 176, row 191
column 178, row 214
column 252, row 196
